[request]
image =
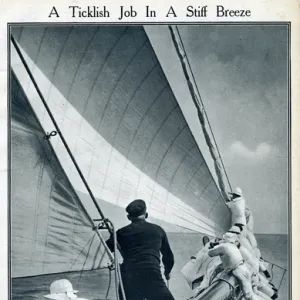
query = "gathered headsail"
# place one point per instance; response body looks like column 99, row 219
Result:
column 50, row 229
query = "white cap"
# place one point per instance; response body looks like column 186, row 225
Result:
column 230, row 238
column 61, row 289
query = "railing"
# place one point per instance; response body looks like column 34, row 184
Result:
column 278, row 274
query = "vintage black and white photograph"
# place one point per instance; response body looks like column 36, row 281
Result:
column 149, row 161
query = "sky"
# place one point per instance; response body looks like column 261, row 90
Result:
column 241, row 72
column 242, row 75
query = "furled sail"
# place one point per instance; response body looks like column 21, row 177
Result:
column 50, row 229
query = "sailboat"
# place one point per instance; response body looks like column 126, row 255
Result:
column 100, row 91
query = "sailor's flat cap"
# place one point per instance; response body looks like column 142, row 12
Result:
column 136, row 208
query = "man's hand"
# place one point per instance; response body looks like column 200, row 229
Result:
column 167, row 276
column 212, row 245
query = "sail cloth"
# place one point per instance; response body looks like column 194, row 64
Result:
column 50, row 230
column 122, row 122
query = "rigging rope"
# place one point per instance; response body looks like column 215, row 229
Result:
column 109, row 284
column 214, row 151
column 281, row 279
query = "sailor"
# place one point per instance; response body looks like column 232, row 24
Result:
column 255, row 283
column 251, row 238
column 263, row 280
column 251, row 241
column 264, row 286
column 141, row 243
column 249, row 219
column 242, row 231
column 247, row 270
column 251, row 261
column 241, row 216
column 261, row 288
column 237, row 206
column 62, row 289
column 249, row 228
column 255, row 252
column 240, row 234
column 232, row 261
column 201, row 268
column 247, row 238
column 263, row 268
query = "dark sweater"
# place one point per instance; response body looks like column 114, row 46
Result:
column 141, row 244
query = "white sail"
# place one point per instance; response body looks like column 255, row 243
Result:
column 116, row 109
column 50, row 229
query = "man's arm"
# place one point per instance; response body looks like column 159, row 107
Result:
column 216, row 250
column 167, row 255
column 110, row 243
